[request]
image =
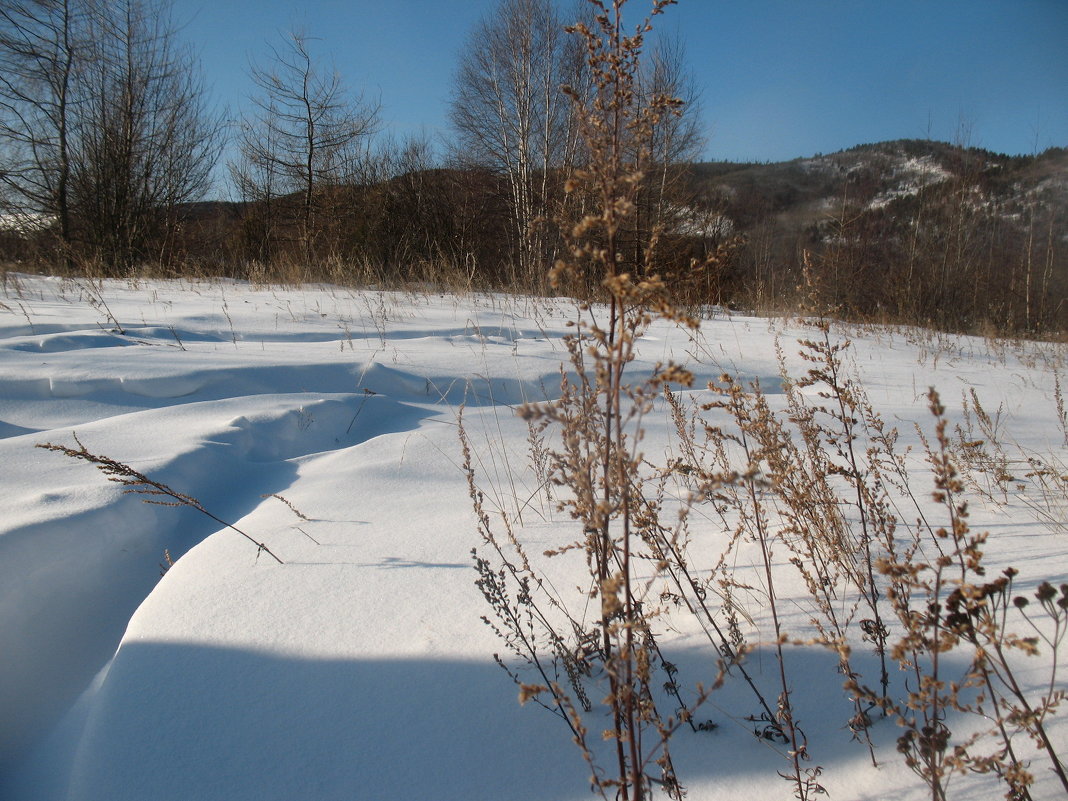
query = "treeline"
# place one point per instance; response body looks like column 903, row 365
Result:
column 108, row 146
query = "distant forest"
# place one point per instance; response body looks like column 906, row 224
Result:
column 108, row 147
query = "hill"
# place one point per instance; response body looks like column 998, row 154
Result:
column 912, row 229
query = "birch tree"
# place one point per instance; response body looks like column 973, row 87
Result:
column 510, row 116
column 674, row 142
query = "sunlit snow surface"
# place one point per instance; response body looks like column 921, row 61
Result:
column 360, row 668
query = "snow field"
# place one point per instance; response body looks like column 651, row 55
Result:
column 360, row 667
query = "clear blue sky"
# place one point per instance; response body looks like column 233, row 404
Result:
column 780, row 78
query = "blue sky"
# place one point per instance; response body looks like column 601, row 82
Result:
column 779, row 78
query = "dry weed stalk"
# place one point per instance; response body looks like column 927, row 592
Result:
column 598, row 419
column 761, row 442
column 289, row 504
column 1058, row 399
column 149, row 490
column 816, row 479
column 979, row 449
column 945, row 606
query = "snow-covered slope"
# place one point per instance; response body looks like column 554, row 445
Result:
column 359, row 668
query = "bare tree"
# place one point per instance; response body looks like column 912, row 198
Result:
column 146, row 141
column 259, row 184
column 509, row 114
column 303, row 136
column 103, row 124
column 674, row 142
column 40, row 50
